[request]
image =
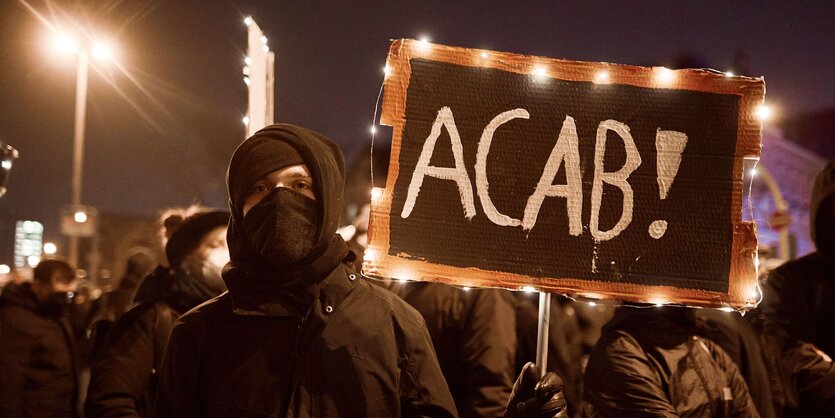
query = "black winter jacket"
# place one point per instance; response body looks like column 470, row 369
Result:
column 800, row 327
column 647, row 365
column 359, row 352
column 37, row 359
column 123, row 380
column 474, row 334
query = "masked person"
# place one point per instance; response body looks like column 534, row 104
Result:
column 799, row 312
column 123, row 379
column 298, row 334
column 38, row 376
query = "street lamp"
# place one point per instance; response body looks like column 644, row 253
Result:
column 101, row 51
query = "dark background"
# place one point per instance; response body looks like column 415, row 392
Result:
column 160, row 133
column 697, row 207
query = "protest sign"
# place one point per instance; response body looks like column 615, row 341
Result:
column 590, row 179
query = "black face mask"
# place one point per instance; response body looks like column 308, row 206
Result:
column 281, row 229
column 56, row 303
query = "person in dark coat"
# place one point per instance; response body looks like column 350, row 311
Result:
column 799, row 312
column 113, row 304
column 38, row 374
column 297, row 334
column 650, row 363
column 743, row 343
column 124, row 375
column 474, row 335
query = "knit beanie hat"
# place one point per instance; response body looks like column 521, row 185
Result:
column 190, row 232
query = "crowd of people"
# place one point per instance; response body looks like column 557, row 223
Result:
column 261, row 311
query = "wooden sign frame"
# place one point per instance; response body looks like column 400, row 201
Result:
column 743, row 290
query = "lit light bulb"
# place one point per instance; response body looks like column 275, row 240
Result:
column 373, row 130
column 245, row 120
column 370, row 255
column 7, row 164
column 248, row 61
column 423, row 44
column 729, row 74
column 602, row 76
column 753, row 172
column 80, row 217
column 726, row 309
column 33, row 260
column 266, row 49
column 466, row 288
column 247, row 21
column 247, row 81
column 376, row 194
column 665, row 75
column 484, row 55
column 763, row 112
column 386, row 71
column 5, row 269
column 592, row 304
column 539, row 72
column 264, row 40
column 528, row 289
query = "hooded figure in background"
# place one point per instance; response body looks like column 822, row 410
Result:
column 798, row 310
column 649, row 362
column 297, row 334
column 123, row 379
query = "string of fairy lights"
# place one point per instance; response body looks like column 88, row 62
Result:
column 539, row 71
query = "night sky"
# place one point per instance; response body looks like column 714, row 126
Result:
column 160, row 133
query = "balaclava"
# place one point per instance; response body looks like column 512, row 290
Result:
column 287, row 240
column 820, row 211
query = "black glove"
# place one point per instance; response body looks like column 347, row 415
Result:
column 533, row 397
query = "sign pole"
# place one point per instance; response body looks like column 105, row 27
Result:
column 542, row 332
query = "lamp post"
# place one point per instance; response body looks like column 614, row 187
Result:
column 78, row 141
column 102, row 52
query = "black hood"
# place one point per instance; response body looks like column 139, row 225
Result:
column 20, row 295
column 823, row 192
column 252, row 160
column 664, row 326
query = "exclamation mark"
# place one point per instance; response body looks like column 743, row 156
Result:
column 668, row 145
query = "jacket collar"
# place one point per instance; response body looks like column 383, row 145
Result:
column 321, row 299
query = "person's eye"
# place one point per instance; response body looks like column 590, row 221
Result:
column 301, row 185
column 260, row 188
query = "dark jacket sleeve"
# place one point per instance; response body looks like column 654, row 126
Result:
column 17, row 342
column 121, row 375
column 620, row 382
column 423, row 390
column 177, row 395
column 790, row 330
column 488, row 338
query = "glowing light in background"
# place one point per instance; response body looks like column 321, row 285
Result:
column 49, row 248
column 102, row 51
column 80, row 217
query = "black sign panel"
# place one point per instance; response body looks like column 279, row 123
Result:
column 620, row 181
column 695, row 248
